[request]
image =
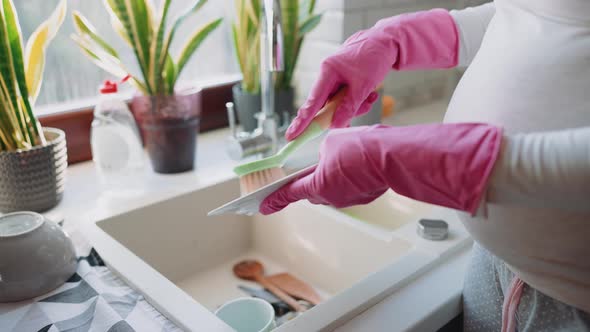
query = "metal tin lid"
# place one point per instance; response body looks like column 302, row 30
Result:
column 433, row 229
column 19, row 223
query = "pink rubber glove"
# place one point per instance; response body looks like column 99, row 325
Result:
column 419, row 40
column 443, row 164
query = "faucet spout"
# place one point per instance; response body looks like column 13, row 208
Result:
column 273, row 33
column 271, row 56
column 271, row 53
column 265, row 139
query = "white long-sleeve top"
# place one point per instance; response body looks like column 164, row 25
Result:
column 529, row 72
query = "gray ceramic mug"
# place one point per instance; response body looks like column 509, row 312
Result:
column 36, row 256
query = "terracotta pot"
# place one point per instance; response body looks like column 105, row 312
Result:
column 169, row 126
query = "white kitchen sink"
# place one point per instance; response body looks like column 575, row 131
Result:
column 181, row 260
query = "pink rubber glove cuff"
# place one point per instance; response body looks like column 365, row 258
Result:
column 443, row 164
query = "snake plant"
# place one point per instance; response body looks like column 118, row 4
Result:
column 246, row 39
column 148, row 32
column 298, row 19
column 21, row 74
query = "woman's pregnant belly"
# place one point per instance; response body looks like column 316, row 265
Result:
column 532, row 74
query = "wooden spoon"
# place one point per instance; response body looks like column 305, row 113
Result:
column 295, row 287
column 254, row 271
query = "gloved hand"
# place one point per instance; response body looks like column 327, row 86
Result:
column 443, row 164
column 419, row 40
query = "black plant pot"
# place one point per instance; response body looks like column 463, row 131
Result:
column 171, row 143
column 169, row 126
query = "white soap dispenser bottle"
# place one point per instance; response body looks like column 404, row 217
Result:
column 116, row 143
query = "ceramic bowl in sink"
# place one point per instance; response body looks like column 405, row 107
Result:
column 36, row 256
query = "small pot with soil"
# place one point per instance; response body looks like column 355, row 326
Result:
column 247, row 105
column 169, row 126
column 284, row 103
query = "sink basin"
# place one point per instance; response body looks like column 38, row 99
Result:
column 181, row 260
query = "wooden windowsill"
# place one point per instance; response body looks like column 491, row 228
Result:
column 75, row 117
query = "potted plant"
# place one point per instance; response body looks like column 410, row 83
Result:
column 33, row 159
column 168, row 118
column 298, row 19
column 246, row 39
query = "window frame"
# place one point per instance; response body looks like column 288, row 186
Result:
column 75, row 117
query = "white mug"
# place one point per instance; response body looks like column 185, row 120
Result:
column 248, row 314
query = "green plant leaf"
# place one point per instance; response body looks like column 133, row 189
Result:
column 133, row 15
column 156, row 50
column 151, row 11
column 234, row 34
column 177, row 23
column 35, row 49
column 26, row 117
column 119, row 28
column 194, row 42
column 290, row 15
column 252, row 20
column 306, row 9
column 170, row 75
column 311, row 7
column 85, row 28
column 310, row 23
column 294, row 34
column 10, row 117
column 106, row 61
column 11, row 69
column 246, row 37
column 253, row 10
column 251, row 81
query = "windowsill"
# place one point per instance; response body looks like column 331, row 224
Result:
column 89, row 103
column 75, row 117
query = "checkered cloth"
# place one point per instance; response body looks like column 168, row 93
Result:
column 93, row 300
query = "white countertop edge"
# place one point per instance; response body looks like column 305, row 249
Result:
column 425, row 304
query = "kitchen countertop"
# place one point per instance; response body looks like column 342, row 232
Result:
column 434, row 298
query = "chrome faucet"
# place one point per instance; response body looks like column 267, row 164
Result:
column 266, row 137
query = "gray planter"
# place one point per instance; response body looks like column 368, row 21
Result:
column 284, row 102
column 33, row 180
column 247, row 105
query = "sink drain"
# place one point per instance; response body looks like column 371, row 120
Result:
column 433, row 229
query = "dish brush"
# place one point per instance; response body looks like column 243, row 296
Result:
column 259, row 173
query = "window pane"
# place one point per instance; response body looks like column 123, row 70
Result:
column 69, row 75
